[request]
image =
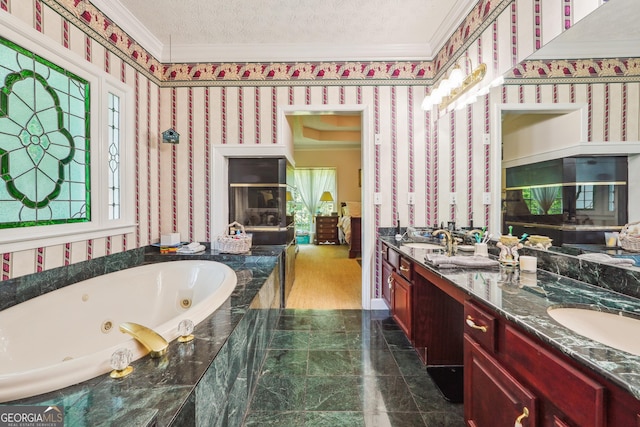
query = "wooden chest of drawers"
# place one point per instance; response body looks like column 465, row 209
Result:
column 326, row 230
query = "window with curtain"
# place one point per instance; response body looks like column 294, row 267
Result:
column 310, row 183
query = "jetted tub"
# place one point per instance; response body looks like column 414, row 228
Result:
column 68, row 336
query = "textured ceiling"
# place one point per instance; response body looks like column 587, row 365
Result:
column 326, row 131
column 281, row 30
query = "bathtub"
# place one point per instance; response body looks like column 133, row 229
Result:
column 67, row 336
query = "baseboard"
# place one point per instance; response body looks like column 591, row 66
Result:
column 378, row 304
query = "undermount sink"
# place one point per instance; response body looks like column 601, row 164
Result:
column 421, row 245
column 615, row 329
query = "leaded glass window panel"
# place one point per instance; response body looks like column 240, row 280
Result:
column 114, row 156
column 44, row 141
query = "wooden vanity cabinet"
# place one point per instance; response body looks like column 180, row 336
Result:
column 492, row 396
column 387, row 269
column 390, row 262
column 437, row 319
column 506, row 369
column 397, row 288
column 402, row 296
column 402, row 301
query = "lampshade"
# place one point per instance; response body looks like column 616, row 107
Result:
column 326, row 197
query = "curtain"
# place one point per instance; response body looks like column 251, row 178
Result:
column 545, row 196
column 311, row 183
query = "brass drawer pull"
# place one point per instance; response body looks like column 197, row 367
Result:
column 403, row 268
column 473, row 325
column 389, row 281
column 525, row 414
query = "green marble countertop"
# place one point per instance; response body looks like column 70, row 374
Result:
column 524, row 298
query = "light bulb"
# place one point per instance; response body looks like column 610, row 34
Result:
column 436, row 96
column 426, row 103
column 446, row 86
column 456, row 77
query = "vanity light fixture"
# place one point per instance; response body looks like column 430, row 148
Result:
column 452, row 88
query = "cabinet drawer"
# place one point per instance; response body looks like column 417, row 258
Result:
column 481, row 326
column 325, row 227
column 406, row 269
column 572, row 392
column 327, row 220
column 393, row 258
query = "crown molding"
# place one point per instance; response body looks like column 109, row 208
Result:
column 131, row 25
column 450, row 24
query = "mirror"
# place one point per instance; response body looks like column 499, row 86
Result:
column 611, row 31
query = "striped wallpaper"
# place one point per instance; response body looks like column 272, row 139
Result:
column 425, row 153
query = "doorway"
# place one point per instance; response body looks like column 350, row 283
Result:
column 286, row 136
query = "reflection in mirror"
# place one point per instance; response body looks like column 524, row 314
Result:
column 573, row 200
column 577, row 209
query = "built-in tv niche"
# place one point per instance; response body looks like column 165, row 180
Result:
column 572, row 199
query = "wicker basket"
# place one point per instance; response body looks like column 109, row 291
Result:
column 629, row 237
column 233, row 243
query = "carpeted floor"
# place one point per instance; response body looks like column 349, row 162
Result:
column 326, row 278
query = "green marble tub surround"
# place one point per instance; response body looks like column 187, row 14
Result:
column 207, row 381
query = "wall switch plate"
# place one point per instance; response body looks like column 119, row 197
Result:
column 453, row 198
column 486, row 198
column 411, row 198
column 486, row 139
column 378, row 139
column 377, row 198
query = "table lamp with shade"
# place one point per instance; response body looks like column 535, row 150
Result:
column 327, row 199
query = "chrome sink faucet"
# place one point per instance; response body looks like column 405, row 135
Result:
column 449, row 241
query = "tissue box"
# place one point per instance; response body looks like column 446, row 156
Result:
column 170, row 239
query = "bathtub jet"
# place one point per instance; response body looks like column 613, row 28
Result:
column 36, row 358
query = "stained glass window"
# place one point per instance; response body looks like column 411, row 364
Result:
column 44, row 141
column 114, row 156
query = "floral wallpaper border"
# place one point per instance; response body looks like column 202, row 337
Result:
column 89, row 18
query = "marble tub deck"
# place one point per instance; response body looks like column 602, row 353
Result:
column 345, row 368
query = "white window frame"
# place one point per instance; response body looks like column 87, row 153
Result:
column 101, row 83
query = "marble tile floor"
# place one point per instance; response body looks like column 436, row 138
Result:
column 342, row 368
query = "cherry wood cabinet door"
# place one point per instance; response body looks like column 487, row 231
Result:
column 492, row 397
column 402, row 300
column 387, row 269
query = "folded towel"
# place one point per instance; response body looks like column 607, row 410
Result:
column 191, row 248
column 443, row 261
column 607, row 259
